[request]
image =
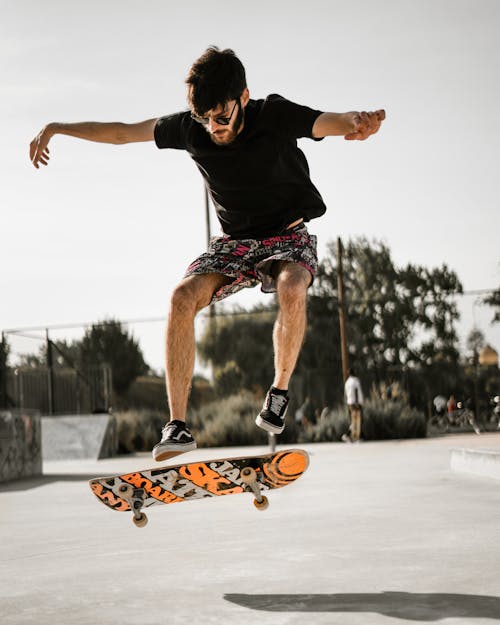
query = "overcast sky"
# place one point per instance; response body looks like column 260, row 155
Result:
column 107, row 231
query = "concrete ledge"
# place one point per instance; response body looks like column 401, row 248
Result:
column 477, row 461
column 74, row 437
column 20, row 445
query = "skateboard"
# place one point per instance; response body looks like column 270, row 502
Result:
column 198, row 480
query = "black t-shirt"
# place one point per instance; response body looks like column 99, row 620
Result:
column 259, row 183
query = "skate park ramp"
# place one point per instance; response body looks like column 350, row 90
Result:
column 20, row 444
column 74, row 437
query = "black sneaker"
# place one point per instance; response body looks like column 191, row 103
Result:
column 272, row 415
column 176, row 439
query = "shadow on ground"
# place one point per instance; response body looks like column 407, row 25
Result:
column 43, row 480
column 403, row 605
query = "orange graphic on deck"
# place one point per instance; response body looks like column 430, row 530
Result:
column 153, row 490
column 285, row 468
column 109, row 497
column 202, row 475
column 292, row 465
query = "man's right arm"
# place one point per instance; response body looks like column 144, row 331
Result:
column 108, row 132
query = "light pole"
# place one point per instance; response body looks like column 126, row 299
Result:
column 342, row 316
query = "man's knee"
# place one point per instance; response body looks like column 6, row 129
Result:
column 182, row 299
column 189, row 296
column 293, row 282
column 195, row 293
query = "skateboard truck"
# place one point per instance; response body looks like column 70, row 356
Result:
column 135, row 499
column 249, row 477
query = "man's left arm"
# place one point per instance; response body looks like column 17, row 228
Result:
column 352, row 126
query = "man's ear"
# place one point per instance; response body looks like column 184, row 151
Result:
column 245, row 96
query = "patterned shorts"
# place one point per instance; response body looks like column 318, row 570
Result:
column 250, row 261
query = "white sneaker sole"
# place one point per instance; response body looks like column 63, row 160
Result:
column 164, row 452
column 268, row 427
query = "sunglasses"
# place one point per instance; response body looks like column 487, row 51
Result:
column 221, row 121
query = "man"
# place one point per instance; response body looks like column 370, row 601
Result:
column 246, row 150
column 354, row 399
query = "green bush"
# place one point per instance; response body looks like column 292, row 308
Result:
column 227, row 379
column 330, row 427
column 382, row 419
column 138, row 430
column 221, row 423
column 392, row 419
column 146, row 393
column 231, row 422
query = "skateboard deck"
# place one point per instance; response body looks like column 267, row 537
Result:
column 198, row 480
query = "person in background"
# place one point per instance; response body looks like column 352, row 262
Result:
column 451, row 408
column 354, row 400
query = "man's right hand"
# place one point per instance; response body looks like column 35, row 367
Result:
column 39, row 151
column 103, row 132
column 364, row 124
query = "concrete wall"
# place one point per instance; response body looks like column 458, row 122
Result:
column 20, row 444
column 70, row 437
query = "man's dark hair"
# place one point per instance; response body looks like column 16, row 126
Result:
column 215, row 78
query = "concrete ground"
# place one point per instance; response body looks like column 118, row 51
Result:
column 375, row 533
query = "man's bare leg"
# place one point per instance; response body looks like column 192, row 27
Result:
column 289, row 329
column 292, row 283
column 189, row 297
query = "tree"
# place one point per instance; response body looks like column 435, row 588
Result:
column 318, row 374
column 494, row 301
column 245, row 340
column 104, row 343
column 108, row 343
column 475, row 342
column 64, row 354
column 398, row 320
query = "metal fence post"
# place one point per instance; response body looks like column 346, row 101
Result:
column 50, row 373
column 3, row 372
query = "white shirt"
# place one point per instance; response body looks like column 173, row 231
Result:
column 353, row 392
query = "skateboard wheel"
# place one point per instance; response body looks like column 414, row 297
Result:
column 126, row 490
column 141, row 521
column 248, row 475
column 261, row 505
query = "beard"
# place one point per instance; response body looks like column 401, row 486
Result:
column 228, row 134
